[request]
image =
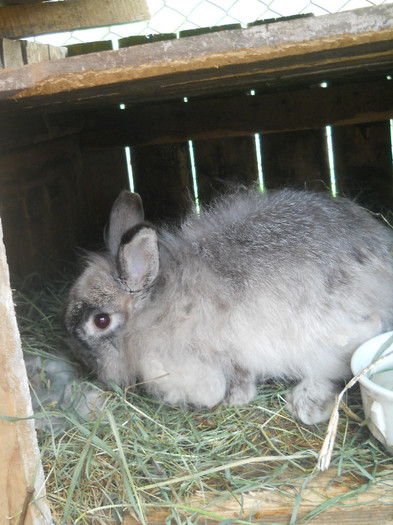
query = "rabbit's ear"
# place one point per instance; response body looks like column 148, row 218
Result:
column 138, row 258
column 127, row 211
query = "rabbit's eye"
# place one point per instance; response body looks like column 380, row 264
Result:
column 102, row 321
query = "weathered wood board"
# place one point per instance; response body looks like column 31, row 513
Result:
column 327, row 499
column 296, row 51
column 223, row 164
column 231, row 116
column 103, row 174
column 43, row 204
column 11, row 53
column 17, row 53
column 295, row 159
column 224, row 150
column 20, row 464
column 28, row 129
column 17, row 21
column 363, row 163
column 162, row 176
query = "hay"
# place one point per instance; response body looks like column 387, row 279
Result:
column 138, row 456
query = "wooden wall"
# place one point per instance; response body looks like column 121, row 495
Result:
column 55, row 197
column 299, row 159
column 63, row 133
column 22, row 478
column 60, row 175
column 61, row 169
column 291, row 125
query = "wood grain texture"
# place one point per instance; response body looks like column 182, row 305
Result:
column 104, row 175
column 17, row 21
column 363, row 164
column 305, row 50
column 236, row 115
column 16, row 53
column 19, row 455
column 327, row 499
column 295, row 159
column 162, row 176
column 11, row 53
column 223, row 164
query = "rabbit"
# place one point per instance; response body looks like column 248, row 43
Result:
column 284, row 284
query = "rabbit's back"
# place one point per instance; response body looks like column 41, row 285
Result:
column 250, row 237
column 268, row 272
column 281, row 270
column 285, row 284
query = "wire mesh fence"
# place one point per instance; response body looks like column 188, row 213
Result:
column 173, row 16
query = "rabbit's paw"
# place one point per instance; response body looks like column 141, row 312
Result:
column 311, row 401
column 198, row 387
column 242, row 388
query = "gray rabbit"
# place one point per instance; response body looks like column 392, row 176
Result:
column 284, row 284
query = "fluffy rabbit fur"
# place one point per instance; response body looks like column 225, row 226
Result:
column 279, row 285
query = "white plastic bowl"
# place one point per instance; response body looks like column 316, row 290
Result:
column 377, row 399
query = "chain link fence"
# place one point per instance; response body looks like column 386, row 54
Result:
column 173, row 16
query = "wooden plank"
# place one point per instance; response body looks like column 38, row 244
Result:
column 104, row 177
column 34, row 52
column 301, row 50
column 56, row 52
column 19, row 453
column 212, row 29
column 363, row 164
column 138, row 40
column 43, row 205
column 222, row 164
column 327, row 499
column 295, row 159
column 89, row 47
column 240, row 115
column 162, row 176
column 16, row 53
column 14, row 2
column 32, row 129
column 19, row 21
column 11, row 53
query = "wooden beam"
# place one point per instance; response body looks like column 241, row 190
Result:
column 28, row 129
column 302, row 50
column 19, row 453
column 16, row 53
column 19, row 21
column 14, row 2
column 11, row 53
column 326, row 499
column 236, row 116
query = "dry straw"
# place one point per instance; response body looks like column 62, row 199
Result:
column 326, row 452
column 140, row 458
